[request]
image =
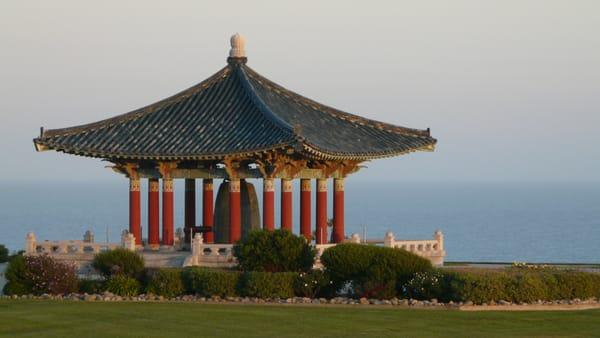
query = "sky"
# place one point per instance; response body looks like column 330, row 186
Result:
column 511, row 89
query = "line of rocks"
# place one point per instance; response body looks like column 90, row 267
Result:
column 433, row 303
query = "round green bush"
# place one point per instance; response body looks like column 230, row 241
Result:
column 274, row 251
column 371, row 271
column 123, row 285
column 166, row 282
column 119, row 262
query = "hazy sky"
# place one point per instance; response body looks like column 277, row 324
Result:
column 511, row 89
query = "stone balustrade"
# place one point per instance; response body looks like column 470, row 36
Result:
column 221, row 255
column 216, row 255
column 75, row 247
column 210, row 255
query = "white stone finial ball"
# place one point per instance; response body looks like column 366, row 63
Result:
column 238, row 46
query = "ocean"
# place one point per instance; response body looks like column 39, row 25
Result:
column 482, row 222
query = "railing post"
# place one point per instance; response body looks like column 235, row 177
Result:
column 389, row 240
column 439, row 237
column 30, row 243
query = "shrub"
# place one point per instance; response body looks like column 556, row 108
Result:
column 371, row 271
column 268, row 284
column 16, row 282
column 119, row 262
column 3, row 254
column 429, row 285
column 210, row 282
column 92, row 286
column 123, row 285
column 480, row 287
column 166, row 282
column 313, row 284
column 274, row 251
column 516, row 285
column 38, row 275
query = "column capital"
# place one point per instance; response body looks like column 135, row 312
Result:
column 154, row 186
column 286, row 185
column 322, row 185
column 207, row 184
column 305, row 185
column 134, row 184
column 167, row 185
column 268, row 184
column 338, row 184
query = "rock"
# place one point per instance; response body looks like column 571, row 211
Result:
column 468, row 303
column 363, row 301
column 433, row 301
column 316, row 301
column 503, row 302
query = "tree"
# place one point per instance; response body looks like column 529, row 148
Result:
column 3, row 254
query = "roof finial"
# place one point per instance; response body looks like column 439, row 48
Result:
column 238, row 47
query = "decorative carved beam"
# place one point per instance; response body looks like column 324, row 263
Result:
column 232, row 166
column 165, row 168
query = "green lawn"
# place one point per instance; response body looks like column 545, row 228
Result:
column 21, row 318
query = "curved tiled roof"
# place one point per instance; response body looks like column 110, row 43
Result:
column 235, row 112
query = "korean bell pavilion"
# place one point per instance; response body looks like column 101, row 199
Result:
column 232, row 127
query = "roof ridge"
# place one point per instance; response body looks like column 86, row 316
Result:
column 263, row 107
column 140, row 112
column 332, row 111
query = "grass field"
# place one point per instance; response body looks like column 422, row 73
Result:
column 21, row 318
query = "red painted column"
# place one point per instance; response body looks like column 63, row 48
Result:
column 286, row 204
column 167, row 212
column 268, row 204
column 153, row 214
column 135, row 213
column 305, row 218
column 190, row 208
column 235, row 211
column 321, row 219
column 207, row 209
column 338, row 210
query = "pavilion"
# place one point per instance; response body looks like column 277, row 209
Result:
column 233, row 126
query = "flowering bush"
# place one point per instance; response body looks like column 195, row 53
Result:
column 523, row 265
column 427, row 285
column 40, row 274
column 311, row 284
column 371, row 271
